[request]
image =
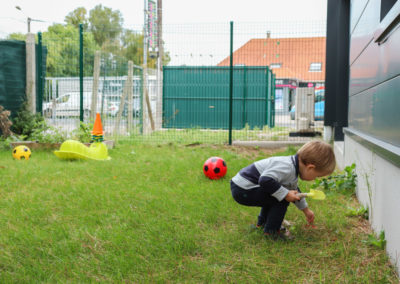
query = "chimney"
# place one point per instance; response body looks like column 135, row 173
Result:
column 268, row 34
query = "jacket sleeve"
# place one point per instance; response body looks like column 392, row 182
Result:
column 302, row 203
column 273, row 187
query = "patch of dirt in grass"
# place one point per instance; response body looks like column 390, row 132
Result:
column 253, row 152
column 361, row 225
column 246, row 152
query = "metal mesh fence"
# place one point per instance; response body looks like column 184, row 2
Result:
column 103, row 84
column 62, row 85
column 273, row 92
column 293, row 51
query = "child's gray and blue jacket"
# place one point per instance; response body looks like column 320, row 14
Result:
column 275, row 175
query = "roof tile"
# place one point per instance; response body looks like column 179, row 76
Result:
column 294, row 54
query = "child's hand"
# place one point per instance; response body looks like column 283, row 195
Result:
column 292, row 196
column 309, row 215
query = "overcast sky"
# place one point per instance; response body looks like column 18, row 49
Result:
column 174, row 11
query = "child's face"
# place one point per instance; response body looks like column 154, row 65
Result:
column 308, row 172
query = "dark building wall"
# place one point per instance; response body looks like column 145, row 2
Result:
column 374, row 87
column 337, row 66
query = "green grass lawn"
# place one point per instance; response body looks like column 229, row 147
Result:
column 150, row 215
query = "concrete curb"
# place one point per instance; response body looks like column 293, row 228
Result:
column 269, row 144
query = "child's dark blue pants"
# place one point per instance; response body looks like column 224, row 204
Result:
column 272, row 211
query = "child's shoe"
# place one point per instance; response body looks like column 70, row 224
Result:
column 279, row 236
column 254, row 228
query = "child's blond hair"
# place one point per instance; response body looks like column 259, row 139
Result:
column 320, row 154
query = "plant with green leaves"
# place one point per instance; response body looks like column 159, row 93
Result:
column 26, row 122
column 379, row 242
column 344, row 181
column 83, row 133
column 5, row 143
column 45, row 133
column 360, row 211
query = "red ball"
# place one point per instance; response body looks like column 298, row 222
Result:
column 215, row 168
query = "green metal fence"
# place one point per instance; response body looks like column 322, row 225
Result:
column 188, row 100
column 76, row 68
column 198, row 97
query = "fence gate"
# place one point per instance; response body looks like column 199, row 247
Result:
column 198, row 97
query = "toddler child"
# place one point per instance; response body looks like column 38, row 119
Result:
column 272, row 184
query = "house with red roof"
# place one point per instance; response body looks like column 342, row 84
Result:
column 296, row 62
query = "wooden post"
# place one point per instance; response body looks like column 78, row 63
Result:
column 31, row 72
column 129, row 84
column 150, row 112
column 147, row 105
column 95, row 87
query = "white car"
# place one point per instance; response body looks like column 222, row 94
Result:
column 115, row 100
column 68, row 105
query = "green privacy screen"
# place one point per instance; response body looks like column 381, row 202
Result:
column 12, row 75
column 198, row 97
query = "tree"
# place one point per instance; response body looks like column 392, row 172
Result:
column 76, row 17
column 133, row 46
column 17, row 36
column 104, row 32
column 133, row 49
column 62, row 43
column 105, row 24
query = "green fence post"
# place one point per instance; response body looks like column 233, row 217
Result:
column 268, row 97
column 81, row 72
column 56, row 90
column 163, row 97
column 231, row 85
column 244, row 96
column 39, row 106
column 273, row 101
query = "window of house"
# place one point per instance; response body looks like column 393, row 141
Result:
column 315, row 67
column 275, row 65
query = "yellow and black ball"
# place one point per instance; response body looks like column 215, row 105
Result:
column 21, row 153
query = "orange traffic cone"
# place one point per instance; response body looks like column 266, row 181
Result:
column 97, row 127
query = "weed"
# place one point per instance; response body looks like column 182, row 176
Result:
column 45, row 133
column 355, row 212
column 345, row 181
column 379, row 242
column 83, row 133
column 369, row 195
column 5, row 142
column 25, row 123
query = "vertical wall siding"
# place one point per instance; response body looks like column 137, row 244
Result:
column 199, row 97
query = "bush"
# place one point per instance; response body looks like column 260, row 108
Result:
column 47, row 134
column 5, row 122
column 25, row 123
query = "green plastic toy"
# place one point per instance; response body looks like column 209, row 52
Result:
column 75, row 150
